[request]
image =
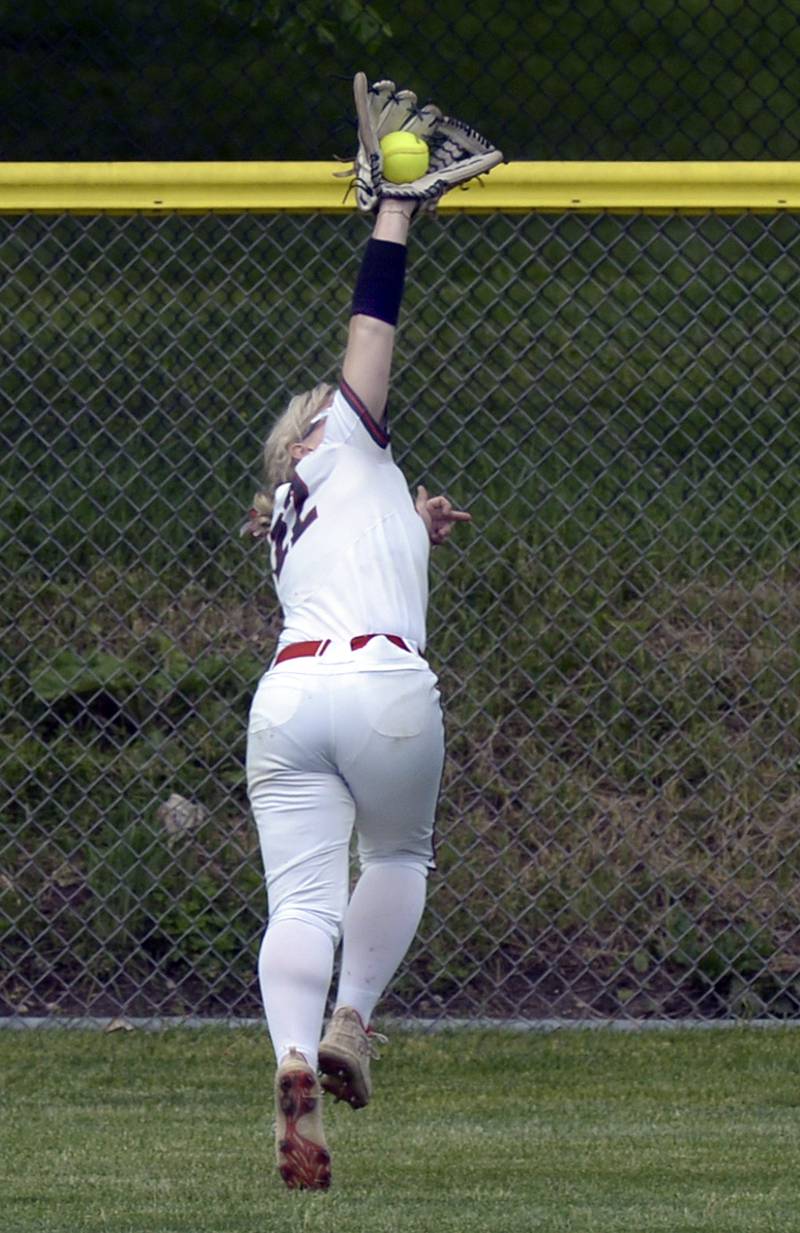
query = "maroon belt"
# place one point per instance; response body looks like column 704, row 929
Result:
column 303, row 650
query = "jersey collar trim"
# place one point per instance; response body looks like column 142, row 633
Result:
column 378, row 433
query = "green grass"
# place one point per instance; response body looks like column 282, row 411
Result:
column 580, row 1132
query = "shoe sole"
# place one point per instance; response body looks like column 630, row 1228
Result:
column 340, row 1079
column 303, row 1163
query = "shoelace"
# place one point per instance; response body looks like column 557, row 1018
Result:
column 373, row 1040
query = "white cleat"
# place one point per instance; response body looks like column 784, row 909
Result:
column 345, row 1053
column 304, row 1161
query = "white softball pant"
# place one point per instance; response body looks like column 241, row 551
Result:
column 328, row 753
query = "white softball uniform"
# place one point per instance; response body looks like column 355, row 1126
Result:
column 349, row 551
column 345, row 727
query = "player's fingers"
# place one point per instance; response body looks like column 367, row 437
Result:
column 443, row 508
column 422, row 504
column 453, row 515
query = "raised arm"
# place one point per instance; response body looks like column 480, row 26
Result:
column 376, row 305
column 457, row 154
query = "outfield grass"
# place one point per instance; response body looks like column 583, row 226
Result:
column 572, row 1132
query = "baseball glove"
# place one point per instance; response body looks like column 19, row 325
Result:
column 457, row 152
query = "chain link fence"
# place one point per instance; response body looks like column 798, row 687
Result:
column 617, row 633
column 614, row 399
column 268, row 79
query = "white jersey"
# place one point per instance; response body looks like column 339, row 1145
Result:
column 349, row 551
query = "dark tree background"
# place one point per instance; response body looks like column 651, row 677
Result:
column 263, row 79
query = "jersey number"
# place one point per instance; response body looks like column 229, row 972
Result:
column 280, row 534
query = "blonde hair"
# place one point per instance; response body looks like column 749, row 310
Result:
column 289, row 428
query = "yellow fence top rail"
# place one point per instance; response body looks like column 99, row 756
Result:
column 298, row 187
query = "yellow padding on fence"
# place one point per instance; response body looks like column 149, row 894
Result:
column 306, row 187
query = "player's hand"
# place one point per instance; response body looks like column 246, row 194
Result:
column 438, row 515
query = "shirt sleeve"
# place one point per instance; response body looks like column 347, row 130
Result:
column 350, row 423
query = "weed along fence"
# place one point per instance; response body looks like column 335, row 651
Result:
column 611, row 393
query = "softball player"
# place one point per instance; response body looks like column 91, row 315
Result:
column 345, row 729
